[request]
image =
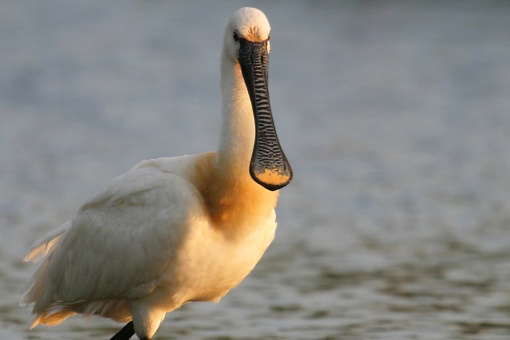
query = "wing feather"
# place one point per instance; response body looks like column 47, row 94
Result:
column 109, row 250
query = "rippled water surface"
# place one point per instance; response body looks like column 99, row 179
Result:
column 395, row 116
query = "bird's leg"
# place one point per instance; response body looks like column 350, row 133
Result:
column 125, row 333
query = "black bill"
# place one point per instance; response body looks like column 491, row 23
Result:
column 268, row 166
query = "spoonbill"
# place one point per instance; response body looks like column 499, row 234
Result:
column 175, row 230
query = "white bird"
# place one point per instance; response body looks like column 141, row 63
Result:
column 175, row 230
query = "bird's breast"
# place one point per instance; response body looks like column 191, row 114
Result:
column 210, row 263
column 225, row 238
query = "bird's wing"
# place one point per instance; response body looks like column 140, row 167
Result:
column 121, row 241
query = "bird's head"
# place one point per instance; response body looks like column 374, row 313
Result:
column 246, row 25
column 247, row 44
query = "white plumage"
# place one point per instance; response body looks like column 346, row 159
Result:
column 171, row 230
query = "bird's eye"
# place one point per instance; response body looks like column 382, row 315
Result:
column 236, row 36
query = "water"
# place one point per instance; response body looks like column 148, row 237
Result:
column 394, row 115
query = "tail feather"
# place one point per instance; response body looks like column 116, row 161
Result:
column 52, row 318
column 37, row 294
column 44, row 246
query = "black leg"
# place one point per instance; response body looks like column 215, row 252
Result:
column 125, row 333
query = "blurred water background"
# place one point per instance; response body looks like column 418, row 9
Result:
column 394, row 114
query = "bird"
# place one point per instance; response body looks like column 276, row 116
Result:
column 174, row 230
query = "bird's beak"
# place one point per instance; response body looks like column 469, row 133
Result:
column 268, row 166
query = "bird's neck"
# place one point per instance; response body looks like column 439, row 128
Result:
column 238, row 123
column 234, row 194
